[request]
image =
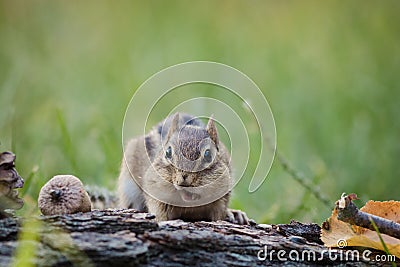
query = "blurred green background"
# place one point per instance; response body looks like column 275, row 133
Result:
column 329, row 69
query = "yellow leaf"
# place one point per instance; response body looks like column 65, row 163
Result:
column 336, row 233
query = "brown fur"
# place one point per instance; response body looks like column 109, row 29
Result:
column 145, row 159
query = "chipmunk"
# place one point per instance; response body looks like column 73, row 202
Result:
column 179, row 170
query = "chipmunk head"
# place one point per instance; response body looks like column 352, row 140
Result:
column 191, row 158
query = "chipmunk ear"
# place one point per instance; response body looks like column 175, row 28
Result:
column 212, row 131
column 173, row 127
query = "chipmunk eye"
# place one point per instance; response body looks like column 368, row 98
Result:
column 207, row 155
column 168, row 153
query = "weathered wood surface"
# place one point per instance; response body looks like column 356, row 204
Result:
column 128, row 238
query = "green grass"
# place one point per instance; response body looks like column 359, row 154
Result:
column 328, row 69
column 385, row 248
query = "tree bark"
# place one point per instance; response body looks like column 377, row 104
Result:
column 129, row 238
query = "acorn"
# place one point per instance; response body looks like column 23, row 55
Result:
column 63, row 194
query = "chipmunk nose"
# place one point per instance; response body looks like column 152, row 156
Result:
column 183, row 179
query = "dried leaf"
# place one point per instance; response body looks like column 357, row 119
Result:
column 336, row 233
column 9, row 182
column 385, row 209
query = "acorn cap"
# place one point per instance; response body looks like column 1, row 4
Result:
column 63, row 194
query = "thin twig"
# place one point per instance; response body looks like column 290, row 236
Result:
column 300, row 178
column 296, row 175
column 348, row 212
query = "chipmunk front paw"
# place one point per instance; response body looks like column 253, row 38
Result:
column 237, row 216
